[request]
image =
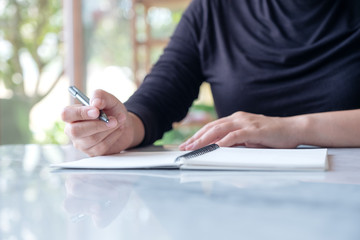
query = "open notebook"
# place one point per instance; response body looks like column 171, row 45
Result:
column 210, row 157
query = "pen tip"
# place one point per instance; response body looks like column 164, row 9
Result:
column 103, row 117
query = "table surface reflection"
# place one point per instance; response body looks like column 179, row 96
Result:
column 38, row 202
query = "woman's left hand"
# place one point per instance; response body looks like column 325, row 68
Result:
column 250, row 130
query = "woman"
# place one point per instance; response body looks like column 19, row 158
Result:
column 282, row 73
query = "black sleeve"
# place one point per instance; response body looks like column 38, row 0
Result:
column 168, row 91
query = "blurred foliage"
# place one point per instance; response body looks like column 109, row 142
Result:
column 30, row 43
column 56, row 135
column 189, row 126
column 31, row 38
column 107, row 39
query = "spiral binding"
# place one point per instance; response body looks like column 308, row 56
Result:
column 198, row 152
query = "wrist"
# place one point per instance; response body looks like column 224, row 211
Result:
column 301, row 129
column 138, row 130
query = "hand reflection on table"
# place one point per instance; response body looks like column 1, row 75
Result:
column 100, row 197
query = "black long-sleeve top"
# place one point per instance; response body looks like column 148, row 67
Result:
column 271, row 57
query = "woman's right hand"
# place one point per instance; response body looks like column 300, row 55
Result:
column 94, row 137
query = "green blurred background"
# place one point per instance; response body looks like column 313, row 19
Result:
column 33, row 86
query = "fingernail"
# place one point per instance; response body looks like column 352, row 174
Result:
column 93, row 113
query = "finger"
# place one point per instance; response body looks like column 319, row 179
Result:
column 212, row 135
column 191, row 140
column 85, row 144
column 83, row 129
column 253, row 145
column 104, row 100
column 79, row 113
column 237, row 137
column 108, row 145
column 200, row 133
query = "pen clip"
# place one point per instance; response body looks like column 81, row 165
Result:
column 73, row 90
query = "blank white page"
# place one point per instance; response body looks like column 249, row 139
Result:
column 261, row 159
column 126, row 160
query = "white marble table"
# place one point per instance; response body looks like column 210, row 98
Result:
column 38, row 203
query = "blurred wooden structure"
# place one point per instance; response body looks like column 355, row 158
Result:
column 73, row 34
column 75, row 68
column 149, row 43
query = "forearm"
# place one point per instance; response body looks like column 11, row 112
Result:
column 328, row 129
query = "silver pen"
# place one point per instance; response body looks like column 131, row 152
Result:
column 76, row 93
